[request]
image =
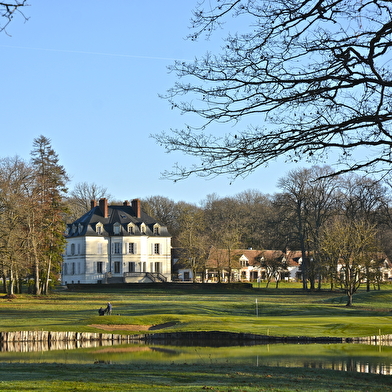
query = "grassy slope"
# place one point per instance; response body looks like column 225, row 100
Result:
column 283, row 312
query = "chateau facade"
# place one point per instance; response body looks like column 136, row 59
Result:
column 116, row 244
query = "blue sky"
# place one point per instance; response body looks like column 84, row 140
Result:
column 87, row 75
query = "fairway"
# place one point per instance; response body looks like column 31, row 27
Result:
column 287, row 311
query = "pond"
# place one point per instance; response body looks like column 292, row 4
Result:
column 344, row 357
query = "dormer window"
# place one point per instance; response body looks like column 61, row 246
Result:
column 99, row 228
column 156, row 229
column 80, row 228
column 131, row 228
column 116, row 228
column 143, row 228
column 244, row 261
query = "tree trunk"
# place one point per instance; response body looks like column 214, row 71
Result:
column 4, row 277
column 349, row 299
column 46, row 283
column 268, row 282
column 11, row 282
column 367, row 279
column 37, row 287
column 332, row 284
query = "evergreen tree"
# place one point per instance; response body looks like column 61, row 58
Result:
column 45, row 217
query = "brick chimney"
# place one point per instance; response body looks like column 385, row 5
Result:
column 136, row 208
column 103, row 205
column 93, row 203
column 126, row 203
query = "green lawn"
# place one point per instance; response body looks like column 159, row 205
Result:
column 182, row 378
column 286, row 311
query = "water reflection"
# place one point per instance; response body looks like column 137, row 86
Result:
column 342, row 357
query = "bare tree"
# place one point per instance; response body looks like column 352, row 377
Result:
column 354, row 242
column 364, row 198
column 194, row 243
column 308, row 77
column 224, row 230
column 274, row 263
column 80, row 198
column 15, row 177
column 254, row 210
column 8, row 10
column 309, row 201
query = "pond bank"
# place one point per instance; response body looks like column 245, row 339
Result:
column 52, row 337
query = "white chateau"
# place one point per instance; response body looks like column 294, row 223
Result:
column 116, row 244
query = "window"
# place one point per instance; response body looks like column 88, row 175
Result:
column 117, row 247
column 117, row 267
column 78, row 249
column 116, row 228
column 132, row 248
column 143, row 228
column 156, row 267
column 99, row 230
column 244, row 261
column 99, row 267
column 156, row 230
column 131, row 267
column 157, row 249
column 72, row 249
column 131, row 229
column 65, row 269
column 72, row 268
column 143, row 266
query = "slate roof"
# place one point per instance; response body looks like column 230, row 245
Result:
column 122, row 214
column 220, row 256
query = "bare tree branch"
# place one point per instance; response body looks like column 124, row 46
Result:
column 8, row 10
column 311, row 77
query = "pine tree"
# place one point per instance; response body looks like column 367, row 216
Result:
column 45, row 221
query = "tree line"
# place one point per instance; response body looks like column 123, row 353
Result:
column 341, row 224
column 32, row 212
column 332, row 219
